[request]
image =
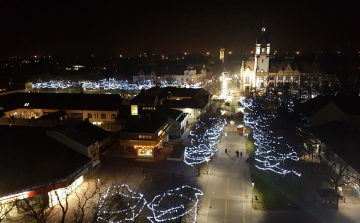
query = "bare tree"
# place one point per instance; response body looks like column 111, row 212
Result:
column 6, row 208
column 118, row 203
column 86, row 193
column 63, row 202
column 334, row 169
column 36, row 208
column 179, row 204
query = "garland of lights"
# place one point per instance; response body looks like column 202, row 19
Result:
column 159, row 213
column 130, row 212
column 111, row 84
column 271, row 153
column 203, row 141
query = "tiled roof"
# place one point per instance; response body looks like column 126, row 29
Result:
column 250, row 63
column 276, row 66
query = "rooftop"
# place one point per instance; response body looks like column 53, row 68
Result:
column 29, row 157
column 342, row 139
column 350, row 105
column 64, row 101
column 327, row 193
column 146, row 125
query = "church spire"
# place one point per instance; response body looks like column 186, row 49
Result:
column 263, row 28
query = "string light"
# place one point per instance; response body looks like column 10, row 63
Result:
column 159, row 213
column 159, row 202
column 204, row 139
column 131, row 211
column 108, row 84
column 271, row 152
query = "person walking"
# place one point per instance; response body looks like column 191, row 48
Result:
column 226, row 150
column 145, row 176
column 241, row 154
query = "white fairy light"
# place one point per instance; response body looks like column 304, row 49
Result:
column 268, row 147
column 131, row 211
column 161, row 214
column 203, row 141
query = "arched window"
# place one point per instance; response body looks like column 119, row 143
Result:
column 89, row 115
column 103, row 116
column 113, row 116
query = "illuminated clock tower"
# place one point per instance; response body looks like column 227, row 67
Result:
column 262, row 53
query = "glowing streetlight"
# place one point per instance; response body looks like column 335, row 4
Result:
column 207, row 53
column 230, row 52
column 185, row 53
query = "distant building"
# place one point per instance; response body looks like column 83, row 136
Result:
column 222, row 55
column 190, row 76
column 261, row 72
column 99, row 109
column 188, row 100
column 145, row 76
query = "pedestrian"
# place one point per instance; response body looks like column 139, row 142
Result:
column 145, row 176
column 207, row 172
column 226, row 150
column 240, row 154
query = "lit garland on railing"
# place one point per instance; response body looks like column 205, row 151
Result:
column 271, row 153
column 131, row 211
column 203, row 141
column 160, row 214
column 157, row 206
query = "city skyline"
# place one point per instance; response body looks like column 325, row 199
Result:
column 126, row 28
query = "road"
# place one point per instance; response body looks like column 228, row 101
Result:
column 228, row 185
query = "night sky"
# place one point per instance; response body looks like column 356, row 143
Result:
column 131, row 27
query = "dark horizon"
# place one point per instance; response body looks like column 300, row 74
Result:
column 130, row 28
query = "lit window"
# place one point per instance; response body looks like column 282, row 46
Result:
column 134, row 110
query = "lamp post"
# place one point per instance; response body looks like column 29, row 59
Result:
column 207, row 166
column 252, row 184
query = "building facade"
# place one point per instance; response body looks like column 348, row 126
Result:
column 190, row 77
column 266, row 71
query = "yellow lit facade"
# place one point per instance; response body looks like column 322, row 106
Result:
column 145, row 144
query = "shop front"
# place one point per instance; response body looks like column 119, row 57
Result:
column 144, row 151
